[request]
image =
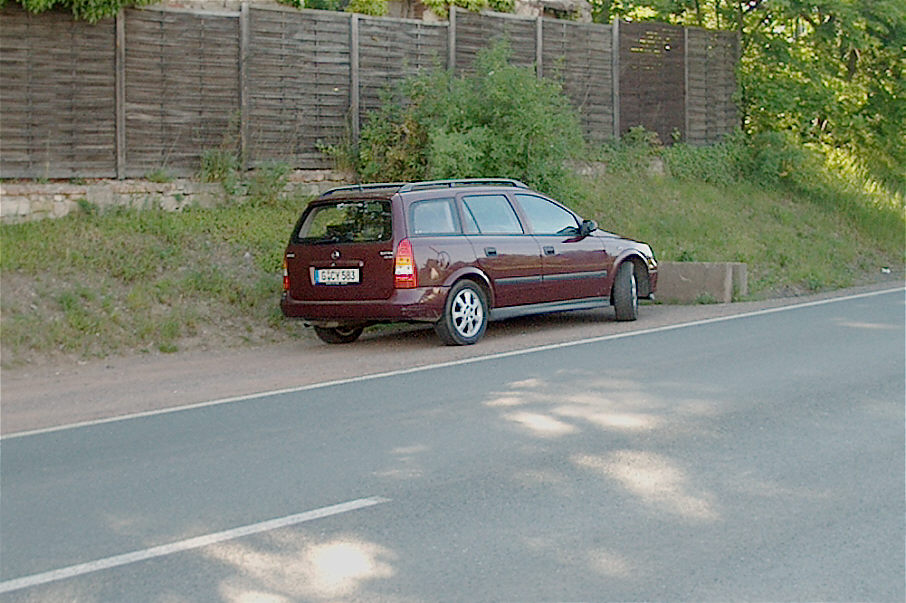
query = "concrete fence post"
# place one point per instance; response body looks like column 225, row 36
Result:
column 120, row 86
column 451, row 41
column 685, row 84
column 615, row 69
column 245, row 150
column 354, row 77
column 539, row 47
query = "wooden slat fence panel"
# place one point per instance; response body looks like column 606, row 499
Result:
column 580, row 56
column 182, row 88
column 652, row 67
column 57, row 101
column 711, row 61
column 299, row 79
column 391, row 51
column 475, row 31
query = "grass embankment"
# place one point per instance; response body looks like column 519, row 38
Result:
column 126, row 281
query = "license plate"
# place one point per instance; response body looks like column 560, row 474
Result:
column 336, row 276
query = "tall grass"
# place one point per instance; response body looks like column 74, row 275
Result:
column 115, row 281
column 95, row 284
column 798, row 222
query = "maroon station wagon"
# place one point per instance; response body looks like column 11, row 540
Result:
column 455, row 254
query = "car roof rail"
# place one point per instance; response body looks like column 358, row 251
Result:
column 461, row 182
column 361, row 188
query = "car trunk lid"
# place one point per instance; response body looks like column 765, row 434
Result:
column 342, row 250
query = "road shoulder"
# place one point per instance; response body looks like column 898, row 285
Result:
column 53, row 395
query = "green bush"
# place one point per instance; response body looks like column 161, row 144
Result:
column 267, row 183
column 220, row 165
column 718, row 164
column 632, row 154
column 500, row 120
column 774, row 157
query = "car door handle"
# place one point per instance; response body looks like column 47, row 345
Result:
column 491, row 252
column 549, row 250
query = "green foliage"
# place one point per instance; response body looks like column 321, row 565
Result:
column 375, row 8
column 502, row 6
column 500, row 120
column 220, row 165
column 130, row 280
column 267, row 183
column 159, row 175
column 794, row 240
column 839, row 228
column 263, row 186
column 831, row 72
column 380, row 7
column 87, row 10
column 393, row 144
column 366, row 7
column 719, row 164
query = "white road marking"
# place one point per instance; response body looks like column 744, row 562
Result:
column 428, row 367
column 186, row 545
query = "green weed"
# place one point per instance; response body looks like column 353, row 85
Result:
column 110, row 281
column 159, row 175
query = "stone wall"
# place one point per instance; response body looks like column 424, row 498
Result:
column 24, row 201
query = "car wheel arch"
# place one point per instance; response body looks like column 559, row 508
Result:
column 640, row 268
column 476, row 276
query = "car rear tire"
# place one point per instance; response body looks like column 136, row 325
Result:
column 338, row 334
column 465, row 316
column 626, row 293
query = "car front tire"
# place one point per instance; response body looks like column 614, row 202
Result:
column 465, row 316
column 626, row 293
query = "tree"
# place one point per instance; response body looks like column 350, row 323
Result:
column 379, row 7
column 88, row 10
column 829, row 71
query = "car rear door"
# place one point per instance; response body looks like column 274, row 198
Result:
column 342, row 250
column 573, row 266
column 504, row 250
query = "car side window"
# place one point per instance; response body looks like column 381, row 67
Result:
column 490, row 214
column 434, row 216
column 547, row 218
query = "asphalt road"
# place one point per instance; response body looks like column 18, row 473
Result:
column 750, row 458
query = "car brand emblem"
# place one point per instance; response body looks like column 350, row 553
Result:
column 335, row 254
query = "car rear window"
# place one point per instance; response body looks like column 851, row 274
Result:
column 365, row 221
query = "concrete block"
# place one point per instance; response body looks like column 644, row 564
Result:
column 688, row 282
column 13, row 207
column 740, row 279
column 100, row 195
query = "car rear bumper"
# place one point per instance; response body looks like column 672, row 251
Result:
column 422, row 304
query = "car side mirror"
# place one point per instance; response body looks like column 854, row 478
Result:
column 587, row 227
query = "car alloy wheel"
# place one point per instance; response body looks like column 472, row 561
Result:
column 465, row 315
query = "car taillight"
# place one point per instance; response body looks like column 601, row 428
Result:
column 404, row 275
column 285, row 276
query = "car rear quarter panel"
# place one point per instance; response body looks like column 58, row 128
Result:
column 439, row 257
